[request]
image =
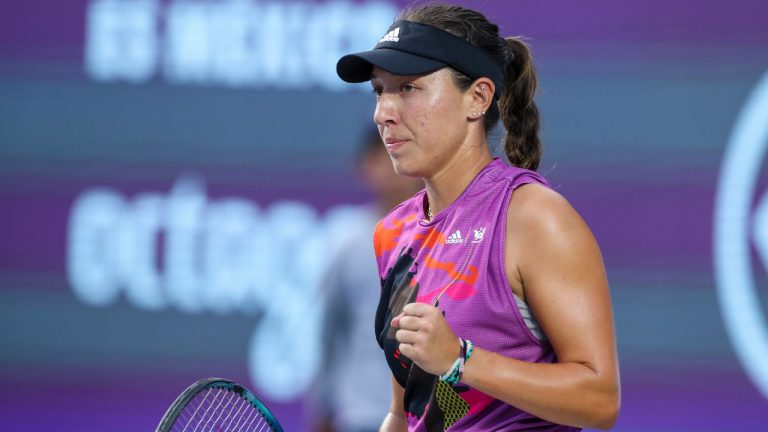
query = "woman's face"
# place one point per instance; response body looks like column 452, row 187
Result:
column 422, row 119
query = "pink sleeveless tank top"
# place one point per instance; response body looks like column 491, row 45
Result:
column 457, row 261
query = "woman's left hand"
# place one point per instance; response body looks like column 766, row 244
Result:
column 426, row 338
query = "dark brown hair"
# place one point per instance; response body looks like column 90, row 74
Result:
column 516, row 106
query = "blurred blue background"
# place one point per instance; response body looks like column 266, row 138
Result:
column 175, row 175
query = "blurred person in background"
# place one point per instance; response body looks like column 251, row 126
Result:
column 350, row 394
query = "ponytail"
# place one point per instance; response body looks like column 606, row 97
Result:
column 517, row 109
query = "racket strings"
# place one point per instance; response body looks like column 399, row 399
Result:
column 220, row 410
column 190, row 412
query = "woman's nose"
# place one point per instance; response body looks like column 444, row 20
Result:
column 386, row 110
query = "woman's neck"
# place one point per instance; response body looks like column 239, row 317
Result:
column 445, row 186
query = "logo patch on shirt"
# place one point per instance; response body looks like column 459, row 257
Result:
column 479, row 233
column 454, row 238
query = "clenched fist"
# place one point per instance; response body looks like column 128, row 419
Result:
column 426, row 338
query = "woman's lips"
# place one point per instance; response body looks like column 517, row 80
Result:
column 394, row 144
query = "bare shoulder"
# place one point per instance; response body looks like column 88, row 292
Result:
column 545, row 239
column 540, row 211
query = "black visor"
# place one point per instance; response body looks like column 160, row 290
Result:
column 410, row 48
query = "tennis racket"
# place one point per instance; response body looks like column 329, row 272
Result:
column 217, row 405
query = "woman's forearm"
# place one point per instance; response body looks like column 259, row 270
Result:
column 394, row 423
column 395, row 420
column 572, row 394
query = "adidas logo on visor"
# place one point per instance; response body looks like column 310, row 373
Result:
column 393, row 36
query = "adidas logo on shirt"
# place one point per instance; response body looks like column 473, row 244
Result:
column 454, row 238
column 393, row 36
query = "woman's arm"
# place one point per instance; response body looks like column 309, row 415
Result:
column 553, row 257
column 551, row 253
column 395, row 420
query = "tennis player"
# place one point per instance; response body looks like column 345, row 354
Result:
column 495, row 312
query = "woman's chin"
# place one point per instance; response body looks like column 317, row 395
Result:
column 404, row 168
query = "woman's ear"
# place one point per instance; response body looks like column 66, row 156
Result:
column 481, row 93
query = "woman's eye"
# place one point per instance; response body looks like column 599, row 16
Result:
column 376, row 91
column 407, row 88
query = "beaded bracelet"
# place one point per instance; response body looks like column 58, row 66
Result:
column 454, row 374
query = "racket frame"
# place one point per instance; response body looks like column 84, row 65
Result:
column 166, row 423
